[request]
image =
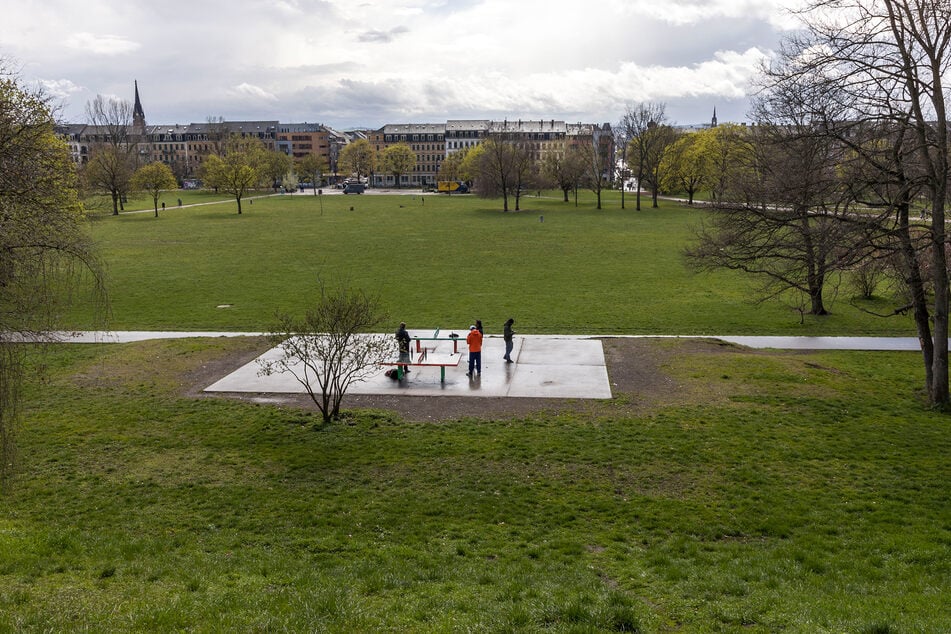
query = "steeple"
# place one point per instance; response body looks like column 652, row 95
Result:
column 138, row 115
column 713, row 122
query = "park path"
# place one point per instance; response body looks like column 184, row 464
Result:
column 777, row 342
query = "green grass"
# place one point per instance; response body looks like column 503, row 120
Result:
column 776, row 493
column 440, row 261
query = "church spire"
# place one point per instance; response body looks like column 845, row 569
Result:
column 138, row 114
column 713, row 122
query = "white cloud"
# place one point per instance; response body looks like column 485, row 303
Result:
column 250, row 90
column 376, row 61
column 101, row 44
column 59, row 88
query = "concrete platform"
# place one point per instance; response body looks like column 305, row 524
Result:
column 545, row 367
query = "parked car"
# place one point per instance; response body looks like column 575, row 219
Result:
column 354, row 188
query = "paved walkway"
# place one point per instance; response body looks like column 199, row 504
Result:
column 780, row 343
column 547, row 366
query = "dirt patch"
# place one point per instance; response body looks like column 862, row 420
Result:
column 636, row 370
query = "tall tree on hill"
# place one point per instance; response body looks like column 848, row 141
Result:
column 887, row 61
column 44, row 246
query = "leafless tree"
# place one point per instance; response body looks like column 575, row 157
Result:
column 597, row 158
column 639, row 122
column 329, row 349
column 114, row 151
column 565, row 170
column 493, row 165
column 790, row 231
column 883, row 63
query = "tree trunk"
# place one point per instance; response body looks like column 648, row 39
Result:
column 238, row 198
column 939, row 379
column 919, row 297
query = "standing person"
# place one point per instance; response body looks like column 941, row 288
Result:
column 402, row 340
column 509, row 335
column 474, row 339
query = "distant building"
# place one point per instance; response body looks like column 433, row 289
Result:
column 185, row 147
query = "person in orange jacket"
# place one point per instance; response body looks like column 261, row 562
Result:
column 474, row 339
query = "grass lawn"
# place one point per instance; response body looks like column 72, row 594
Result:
column 440, row 261
column 774, row 492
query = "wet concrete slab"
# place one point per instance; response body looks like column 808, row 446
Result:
column 544, row 367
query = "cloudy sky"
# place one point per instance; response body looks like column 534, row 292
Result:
column 364, row 64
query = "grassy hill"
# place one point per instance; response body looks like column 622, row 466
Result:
column 767, row 492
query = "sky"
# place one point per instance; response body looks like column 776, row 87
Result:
column 351, row 64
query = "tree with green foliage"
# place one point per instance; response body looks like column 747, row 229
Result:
column 44, row 247
column 685, row 165
column 328, row 349
column 312, row 167
column 275, row 166
column 358, row 159
column 451, row 168
column 398, row 159
column 727, row 152
column 153, row 179
column 239, row 170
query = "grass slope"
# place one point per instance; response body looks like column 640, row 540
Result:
column 777, row 493
column 440, row 261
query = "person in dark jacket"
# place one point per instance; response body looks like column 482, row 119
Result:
column 509, row 336
column 402, row 341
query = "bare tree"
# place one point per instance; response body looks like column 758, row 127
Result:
column 524, row 170
column 639, row 122
column 884, row 62
column 662, row 137
column 329, row 349
column 597, row 157
column 114, row 151
column 791, row 231
column 493, row 165
column 565, row 170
